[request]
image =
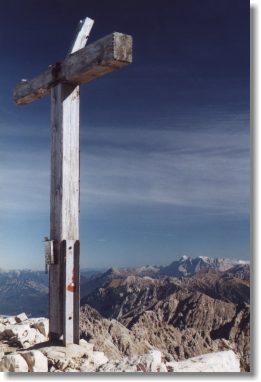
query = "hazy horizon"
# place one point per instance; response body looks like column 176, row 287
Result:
column 105, row 268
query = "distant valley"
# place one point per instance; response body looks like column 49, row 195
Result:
column 27, row 291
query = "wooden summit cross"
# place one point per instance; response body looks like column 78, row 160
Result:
column 62, row 80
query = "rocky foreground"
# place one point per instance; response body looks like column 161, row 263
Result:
column 24, row 347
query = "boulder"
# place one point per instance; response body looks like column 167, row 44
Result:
column 13, row 363
column 87, row 344
column 42, row 326
column 9, row 320
column 36, row 361
column 71, row 356
column 220, row 362
column 23, row 335
column 2, row 328
column 119, row 367
column 163, row 368
column 149, row 362
column 99, row 358
column 87, row 367
column 16, row 330
column 152, row 360
column 71, row 351
column 21, row 317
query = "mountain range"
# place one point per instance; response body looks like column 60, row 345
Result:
column 127, row 312
column 26, row 290
column 190, row 307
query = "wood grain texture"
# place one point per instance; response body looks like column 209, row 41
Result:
column 65, row 193
column 65, row 178
column 103, row 56
column 82, row 35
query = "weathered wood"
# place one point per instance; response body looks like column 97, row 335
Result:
column 49, row 254
column 82, row 34
column 64, row 312
column 65, row 180
column 71, row 252
column 103, row 56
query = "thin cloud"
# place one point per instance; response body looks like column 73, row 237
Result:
column 130, row 166
column 197, row 170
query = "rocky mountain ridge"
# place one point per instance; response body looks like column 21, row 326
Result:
column 182, row 317
column 184, row 267
column 32, row 352
column 27, row 290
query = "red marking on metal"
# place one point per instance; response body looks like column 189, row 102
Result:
column 71, row 287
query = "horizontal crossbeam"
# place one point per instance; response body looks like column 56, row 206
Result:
column 103, row 56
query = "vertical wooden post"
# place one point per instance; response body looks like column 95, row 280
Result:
column 64, row 277
column 64, row 210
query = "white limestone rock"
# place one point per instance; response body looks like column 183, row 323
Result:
column 13, row 363
column 149, row 362
column 70, row 370
column 220, row 362
column 70, row 351
column 9, row 320
column 21, row 317
column 36, row 361
column 163, row 368
column 33, row 337
column 71, row 356
column 86, row 344
column 16, row 330
column 2, row 329
column 39, row 338
column 118, row 367
column 23, row 335
column 152, row 360
column 63, row 363
column 42, row 326
column 99, row 358
column 87, row 367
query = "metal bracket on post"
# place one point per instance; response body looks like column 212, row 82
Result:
column 49, row 254
column 70, row 251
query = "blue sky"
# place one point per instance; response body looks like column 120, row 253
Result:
column 164, row 142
